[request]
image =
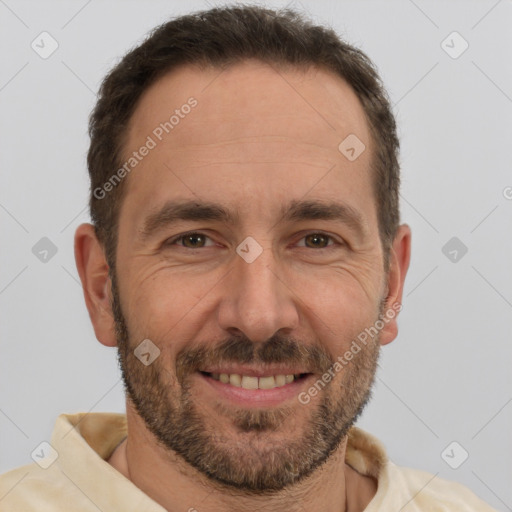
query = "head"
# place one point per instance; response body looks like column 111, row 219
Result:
column 234, row 229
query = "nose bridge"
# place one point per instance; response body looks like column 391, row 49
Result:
column 258, row 301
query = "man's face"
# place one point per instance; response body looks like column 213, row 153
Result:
column 263, row 145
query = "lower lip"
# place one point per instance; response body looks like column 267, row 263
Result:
column 256, row 397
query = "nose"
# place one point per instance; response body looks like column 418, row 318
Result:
column 258, row 300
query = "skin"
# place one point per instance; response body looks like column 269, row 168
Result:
column 257, row 139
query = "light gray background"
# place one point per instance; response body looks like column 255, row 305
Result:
column 445, row 378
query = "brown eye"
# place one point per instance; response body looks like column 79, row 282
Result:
column 193, row 240
column 190, row 240
column 317, row 240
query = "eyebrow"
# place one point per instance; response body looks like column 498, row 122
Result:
column 297, row 210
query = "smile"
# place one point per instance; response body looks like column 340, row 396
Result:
column 253, row 382
column 248, row 387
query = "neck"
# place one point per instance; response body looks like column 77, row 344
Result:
column 175, row 485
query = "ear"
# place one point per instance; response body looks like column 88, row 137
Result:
column 93, row 270
column 400, row 255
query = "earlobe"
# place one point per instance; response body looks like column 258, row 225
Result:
column 94, row 274
column 400, row 256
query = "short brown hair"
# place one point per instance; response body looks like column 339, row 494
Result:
column 221, row 37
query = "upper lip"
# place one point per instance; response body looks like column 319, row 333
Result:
column 253, row 371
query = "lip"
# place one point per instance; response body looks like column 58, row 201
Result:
column 255, row 398
column 251, row 371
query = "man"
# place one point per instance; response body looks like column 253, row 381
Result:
column 246, row 258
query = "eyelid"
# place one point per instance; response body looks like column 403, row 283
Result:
column 333, row 238
column 173, row 240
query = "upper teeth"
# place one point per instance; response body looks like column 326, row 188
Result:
column 249, row 382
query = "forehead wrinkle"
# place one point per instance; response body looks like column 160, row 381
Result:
column 199, row 155
column 298, row 120
column 235, row 162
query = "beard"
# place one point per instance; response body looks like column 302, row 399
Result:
column 256, row 459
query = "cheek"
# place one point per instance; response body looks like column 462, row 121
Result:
column 163, row 304
column 170, row 305
column 338, row 307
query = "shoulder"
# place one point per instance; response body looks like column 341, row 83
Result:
column 30, row 487
column 419, row 491
column 406, row 489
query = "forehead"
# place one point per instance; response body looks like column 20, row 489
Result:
column 249, row 99
column 254, row 128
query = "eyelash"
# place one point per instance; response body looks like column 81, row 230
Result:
column 177, row 238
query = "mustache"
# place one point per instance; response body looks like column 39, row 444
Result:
column 240, row 349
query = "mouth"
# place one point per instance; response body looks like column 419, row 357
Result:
column 255, row 388
column 256, row 382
